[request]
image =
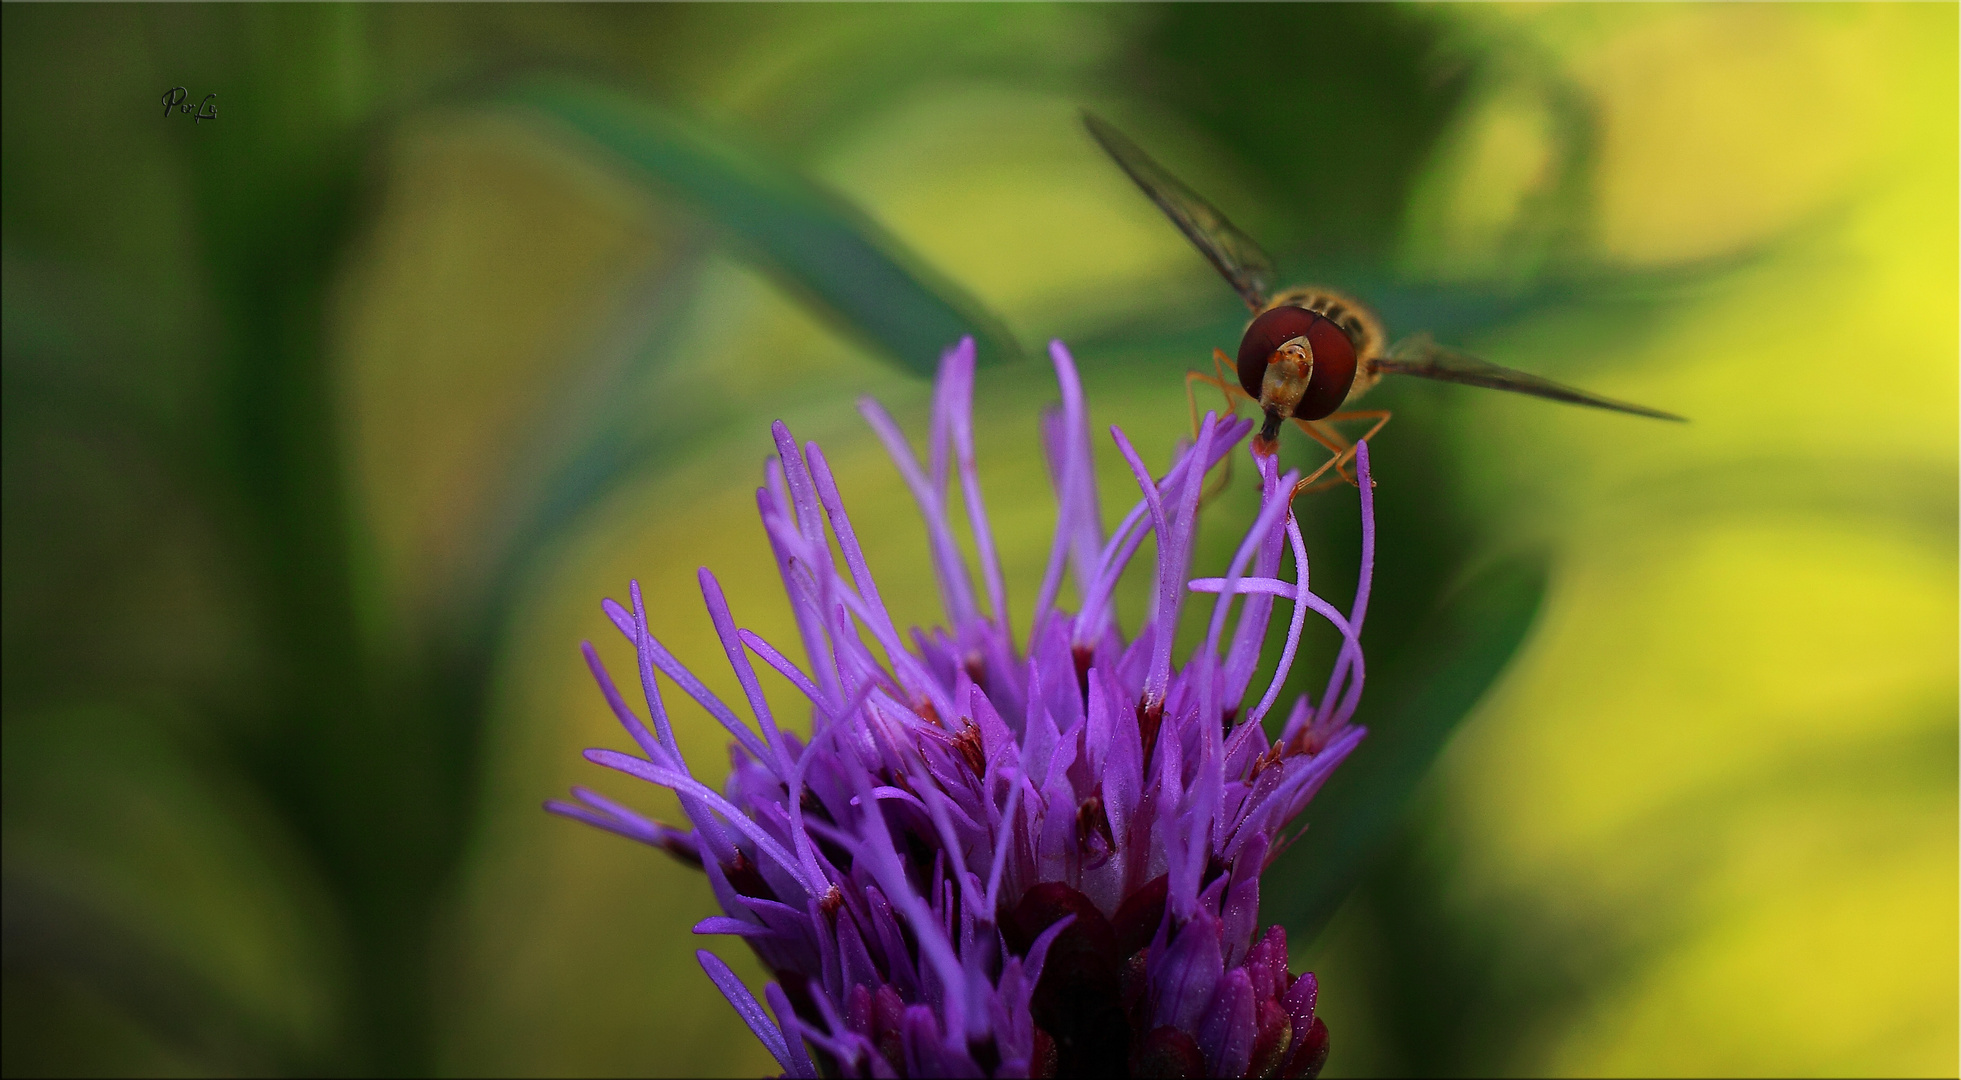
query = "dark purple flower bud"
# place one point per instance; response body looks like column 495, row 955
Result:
column 1002, row 858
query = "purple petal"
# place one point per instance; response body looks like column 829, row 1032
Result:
column 1263, row 525
column 951, row 568
column 804, row 604
column 1299, row 1002
column 1250, row 634
column 958, row 368
column 1227, row 1033
column 650, row 649
column 615, row 818
column 738, row 657
column 1183, row 980
column 667, row 778
column 1240, row 915
column 1351, row 653
column 800, row 1065
column 878, row 621
column 1085, row 516
column 745, row 1006
column 722, row 924
column 623, row 712
column 785, row 667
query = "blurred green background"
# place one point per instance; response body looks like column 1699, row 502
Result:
column 328, row 422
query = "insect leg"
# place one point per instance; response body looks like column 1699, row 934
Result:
column 1233, row 392
column 1191, row 396
column 1329, row 438
column 1347, row 454
column 1324, row 432
column 1220, row 378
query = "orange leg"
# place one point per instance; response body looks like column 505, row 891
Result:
column 1228, row 386
column 1324, row 432
column 1221, row 378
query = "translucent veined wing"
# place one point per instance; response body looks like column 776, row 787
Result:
column 1430, row 360
column 1236, row 256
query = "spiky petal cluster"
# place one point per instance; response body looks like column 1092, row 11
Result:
column 990, row 861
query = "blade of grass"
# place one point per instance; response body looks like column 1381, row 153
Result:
column 829, row 253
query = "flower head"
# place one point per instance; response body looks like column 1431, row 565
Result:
column 991, row 860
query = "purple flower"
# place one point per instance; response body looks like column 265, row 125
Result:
column 990, row 861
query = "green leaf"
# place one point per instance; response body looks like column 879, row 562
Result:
column 829, row 253
column 1452, row 661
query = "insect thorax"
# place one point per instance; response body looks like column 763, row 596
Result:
column 1356, row 320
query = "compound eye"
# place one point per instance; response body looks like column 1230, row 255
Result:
column 1267, row 333
column 1334, row 370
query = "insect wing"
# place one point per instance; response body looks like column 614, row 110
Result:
column 1429, row 360
column 1237, row 257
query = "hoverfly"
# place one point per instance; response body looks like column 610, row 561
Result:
column 1308, row 351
